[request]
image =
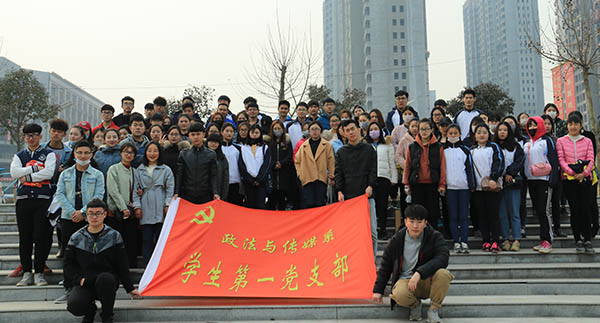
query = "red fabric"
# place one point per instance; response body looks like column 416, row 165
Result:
column 112, row 126
column 194, row 251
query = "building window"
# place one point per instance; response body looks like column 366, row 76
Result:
column 368, row 77
column 403, row 62
column 395, row 62
column 396, row 89
column 404, row 76
column 369, row 91
column 394, row 22
column 403, row 49
column 395, row 48
column 401, row 8
column 395, row 75
column 367, row 11
column 367, row 24
column 402, row 35
column 368, row 63
column 393, row 8
column 404, row 88
column 368, row 50
column 394, row 35
column 368, row 37
column 401, row 22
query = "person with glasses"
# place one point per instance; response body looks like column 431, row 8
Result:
column 120, row 190
column 95, row 264
column 425, row 171
column 127, row 104
column 106, row 114
column 33, row 167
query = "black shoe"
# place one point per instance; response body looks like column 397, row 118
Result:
column 89, row 317
column 579, row 248
column 107, row 318
column 559, row 233
column 589, row 249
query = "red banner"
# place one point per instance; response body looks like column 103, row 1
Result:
column 223, row 250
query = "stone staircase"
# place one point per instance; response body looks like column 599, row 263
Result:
column 510, row 284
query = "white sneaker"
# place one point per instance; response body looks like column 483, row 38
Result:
column 465, row 247
column 433, row 317
column 415, row 312
column 39, row 280
column 27, row 280
column 457, row 248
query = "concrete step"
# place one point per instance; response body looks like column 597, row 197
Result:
column 7, row 249
column 13, row 237
column 526, row 243
column 587, row 286
column 12, row 261
column 57, row 275
column 210, row 309
column 559, row 255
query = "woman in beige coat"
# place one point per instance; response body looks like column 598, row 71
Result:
column 315, row 165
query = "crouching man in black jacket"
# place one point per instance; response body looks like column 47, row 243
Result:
column 95, row 263
column 417, row 256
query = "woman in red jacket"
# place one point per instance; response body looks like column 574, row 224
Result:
column 576, row 158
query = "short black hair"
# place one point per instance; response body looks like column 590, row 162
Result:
column 126, row 127
column 145, row 160
column 416, row 212
column 184, row 116
column 249, row 100
column 196, row 127
column 224, row 97
column 469, row 91
column 411, row 109
column 577, row 113
column 160, row 101
column 111, row 130
column 126, row 145
column 32, row 128
column 445, row 121
column 59, row 124
column 174, row 127
column 253, row 105
column 188, row 97
column 136, row 117
column 440, row 102
column 97, row 203
column 157, row 117
column 155, row 126
column 149, row 106
column 302, row 104
column 493, row 117
column 317, row 123
column 328, row 100
column 574, row 118
column 284, row 102
column 83, row 143
column 551, row 105
column 187, row 105
column 401, row 93
column 223, row 104
column 107, row 107
column 346, row 123
column 214, row 137
column 313, row 103
column 127, row 98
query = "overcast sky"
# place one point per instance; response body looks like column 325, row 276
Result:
column 149, row 48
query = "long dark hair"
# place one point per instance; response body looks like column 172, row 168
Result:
column 273, row 140
column 381, row 139
column 510, row 142
column 159, row 161
column 218, row 139
column 258, row 141
column 517, row 130
column 239, row 139
column 380, row 118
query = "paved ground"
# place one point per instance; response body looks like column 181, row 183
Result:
column 454, row 320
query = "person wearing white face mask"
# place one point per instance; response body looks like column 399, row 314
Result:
column 77, row 185
column 560, row 126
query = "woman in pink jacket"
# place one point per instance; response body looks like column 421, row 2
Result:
column 576, row 158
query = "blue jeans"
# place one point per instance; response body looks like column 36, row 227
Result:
column 150, row 233
column 458, row 211
column 510, row 217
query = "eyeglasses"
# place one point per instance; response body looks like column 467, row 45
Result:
column 425, row 129
column 94, row 214
column 31, row 135
column 129, row 152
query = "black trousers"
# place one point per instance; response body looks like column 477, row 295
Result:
column 314, row 194
column 382, row 190
column 487, row 205
column 523, row 205
column 541, row 194
column 277, row 200
column 81, row 299
column 234, row 196
column 255, row 196
column 33, row 229
column 579, row 195
column 68, row 228
column 594, row 209
column 555, row 202
column 128, row 229
column 427, row 195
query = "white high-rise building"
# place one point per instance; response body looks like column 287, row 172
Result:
column 379, row 47
column 496, row 50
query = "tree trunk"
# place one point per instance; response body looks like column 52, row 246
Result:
column 588, row 99
column 282, row 83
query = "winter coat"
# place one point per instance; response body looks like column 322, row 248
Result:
column 119, row 184
column 283, row 178
column 107, row 156
column 196, row 176
column 86, row 257
column 433, row 255
column 355, row 169
column 92, row 187
column 315, row 167
column 541, row 149
column 403, row 148
column 171, row 153
column 459, row 167
column 463, row 120
column 567, row 155
column 158, row 191
column 487, row 161
column 397, row 134
column 247, row 159
column 386, row 166
column 232, row 153
column 431, row 156
column 222, row 177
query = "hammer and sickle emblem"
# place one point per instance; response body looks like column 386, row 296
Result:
column 205, row 218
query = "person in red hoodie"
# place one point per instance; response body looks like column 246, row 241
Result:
column 425, row 171
column 576, row 159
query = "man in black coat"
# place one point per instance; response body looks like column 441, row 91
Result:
column 95, row 263
column 417, row 256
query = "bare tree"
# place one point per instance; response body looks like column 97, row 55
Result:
column 286, row 66
column 572, row 39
